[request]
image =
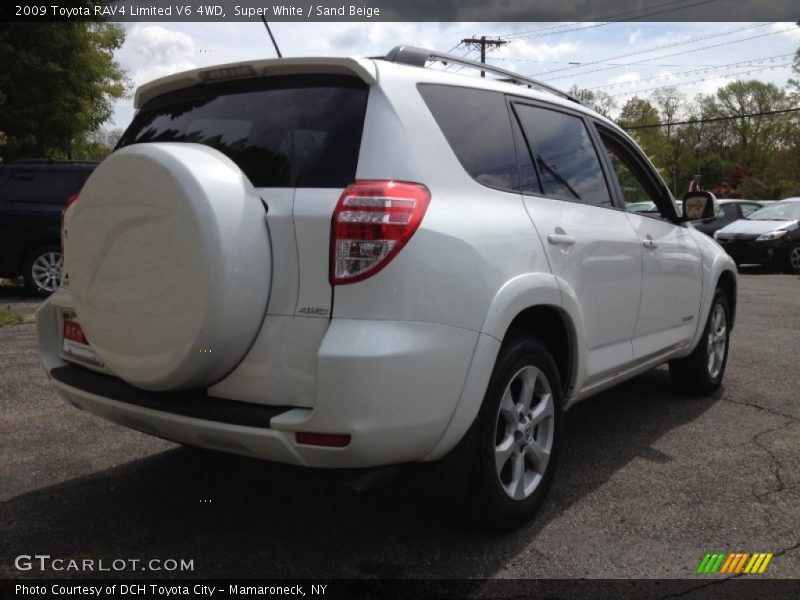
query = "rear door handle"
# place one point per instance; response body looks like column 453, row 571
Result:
column 561, row 239
column 650, row 243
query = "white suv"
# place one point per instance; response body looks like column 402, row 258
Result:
column 339, row 262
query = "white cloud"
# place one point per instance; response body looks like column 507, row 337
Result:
column 625, row 78
column 525, row 49
column 789, row 31
column 634, row 37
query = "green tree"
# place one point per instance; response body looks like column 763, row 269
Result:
column 643, row 123
column 98, row 144
column 59, row 81
column 750, row 136
column 671, row 108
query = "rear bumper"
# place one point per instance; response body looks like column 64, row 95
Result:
column 392, row 386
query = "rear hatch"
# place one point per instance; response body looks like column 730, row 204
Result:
column 296, row 138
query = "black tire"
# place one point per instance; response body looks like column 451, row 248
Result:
column 34, row 280
column 490, row 505
column 792, row 262
column 696, row 374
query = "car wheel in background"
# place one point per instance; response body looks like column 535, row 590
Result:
column 518, row 435
column 701, row 372
column 43, row 270
column 793, row 259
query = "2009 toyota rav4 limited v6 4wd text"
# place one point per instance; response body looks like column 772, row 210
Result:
column 360, row 262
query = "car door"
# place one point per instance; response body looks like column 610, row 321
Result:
column 672, row 263
column 592, row 248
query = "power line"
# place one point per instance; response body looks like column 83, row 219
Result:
column 610, row 22
column 656, row 48
column 691, row 50
column 714, row 119
column 704, row 69
column 721, row 76
column 572, row 62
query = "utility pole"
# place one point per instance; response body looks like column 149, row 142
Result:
column 481, row 43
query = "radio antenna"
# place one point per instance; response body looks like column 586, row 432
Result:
column 272, row 37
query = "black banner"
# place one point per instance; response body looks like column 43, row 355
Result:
column 734, row 588
column 407, row 10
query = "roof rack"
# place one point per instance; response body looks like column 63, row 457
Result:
column 52, row 161
column 417, row 57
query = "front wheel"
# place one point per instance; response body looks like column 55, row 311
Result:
column 701, row 372
column 519, row 430
column 43, row 270
column 793, row 259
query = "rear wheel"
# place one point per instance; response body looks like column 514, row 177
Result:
column 518, row 436
column 43, row 270
column 701, row 372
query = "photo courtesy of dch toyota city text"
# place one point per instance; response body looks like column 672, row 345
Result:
column 430, row 300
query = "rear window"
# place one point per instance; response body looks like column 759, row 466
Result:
column 477, row 126
column 289, row 131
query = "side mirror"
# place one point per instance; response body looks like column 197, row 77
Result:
column 698, row 205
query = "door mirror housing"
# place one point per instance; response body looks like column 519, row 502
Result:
column 699, row 205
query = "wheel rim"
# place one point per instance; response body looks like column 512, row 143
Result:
column 794, row 258
column 46, row 271
column 524, row 432
column 716, row 341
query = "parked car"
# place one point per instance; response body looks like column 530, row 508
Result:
column 770, row 235
column 32, row 195
column 337, row 262
column 728, row 211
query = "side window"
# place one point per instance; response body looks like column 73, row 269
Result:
column 729, row 210
column 563, row 156
column 477, row 126
column 35, row 185
column 748, row 208
column 639, row 192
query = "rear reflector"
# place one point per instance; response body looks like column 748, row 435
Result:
column 69, row 203
column 331, row 440
column 372, row 222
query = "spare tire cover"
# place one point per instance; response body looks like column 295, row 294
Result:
column 167, row 258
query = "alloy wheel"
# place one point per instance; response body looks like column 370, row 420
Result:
column 524, row 432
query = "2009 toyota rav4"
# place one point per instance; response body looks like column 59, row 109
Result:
column 360, row 262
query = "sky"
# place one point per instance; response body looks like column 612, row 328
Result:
column 619, row 53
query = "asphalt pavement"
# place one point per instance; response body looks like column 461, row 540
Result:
column 648, row 483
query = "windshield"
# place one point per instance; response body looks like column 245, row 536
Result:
column 780, row 211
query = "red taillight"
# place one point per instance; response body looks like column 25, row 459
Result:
column 331, row 440
column 372, row 222
column 69, row 203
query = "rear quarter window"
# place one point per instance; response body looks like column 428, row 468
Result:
column 477, row 126
column 564, row 156
column 287, row 131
